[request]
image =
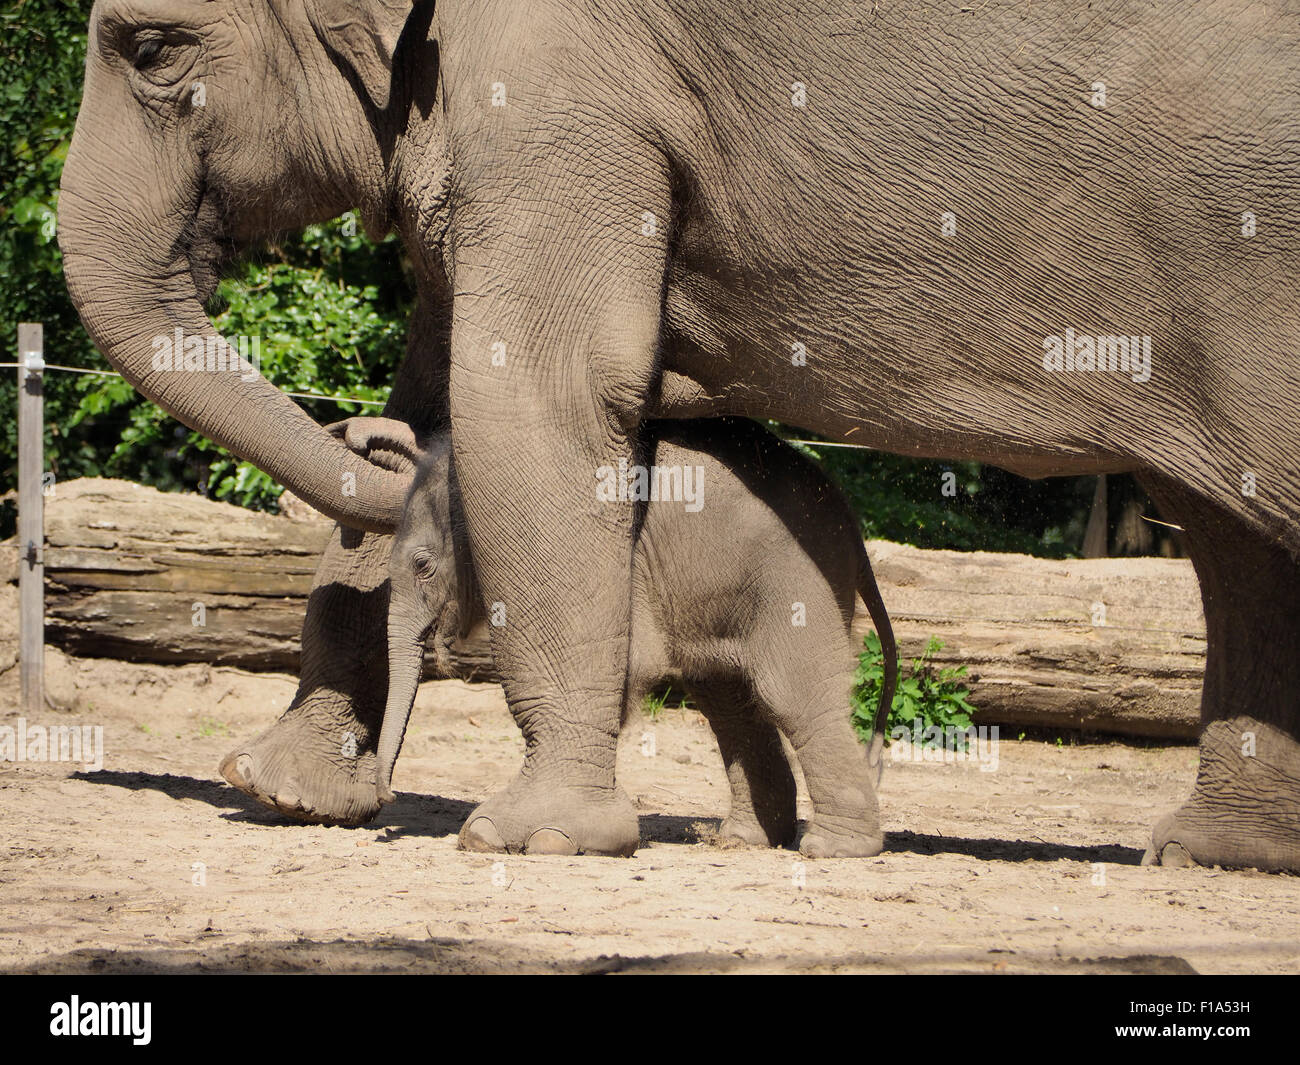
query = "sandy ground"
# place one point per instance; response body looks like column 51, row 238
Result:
column 155, row 864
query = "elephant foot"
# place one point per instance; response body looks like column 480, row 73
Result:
column 304, row 772
column 536, row 817
column 1190, row 837
column 748, row 832
column 763, row 793
column 830, row 837
column 1244, row 812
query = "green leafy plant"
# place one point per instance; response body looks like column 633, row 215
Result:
column 652, row 705
column 934, row 696
column 322, row 330
column 901, row 499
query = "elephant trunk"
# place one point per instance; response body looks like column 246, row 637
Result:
column 405, row 661
column 134, row 310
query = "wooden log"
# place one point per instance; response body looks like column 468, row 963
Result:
column 1103, row 645
column 1099, row 645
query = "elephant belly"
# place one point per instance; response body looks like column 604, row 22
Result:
column 895, row 257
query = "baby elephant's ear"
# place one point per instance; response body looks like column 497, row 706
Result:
column 363, row 34
column 386, row 442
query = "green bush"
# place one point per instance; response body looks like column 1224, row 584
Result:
column 42, row 52
column 902, row 499
column 319, row 335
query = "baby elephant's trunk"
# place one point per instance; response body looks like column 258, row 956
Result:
column 405, row 659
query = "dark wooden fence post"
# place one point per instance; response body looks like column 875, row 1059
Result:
column 31, row 516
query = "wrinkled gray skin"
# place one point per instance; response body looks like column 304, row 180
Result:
column 652, row 220
column 747, row 601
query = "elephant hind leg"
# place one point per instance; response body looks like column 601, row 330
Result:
column 1244, row 810
column 809, row 703
column 763, row 796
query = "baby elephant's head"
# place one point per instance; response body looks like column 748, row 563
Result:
column 431, row 580
column 428, row 573
column 432, row 590
column 432, row 585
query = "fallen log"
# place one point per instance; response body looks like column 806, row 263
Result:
column 1096, row 645
column 1100, row 645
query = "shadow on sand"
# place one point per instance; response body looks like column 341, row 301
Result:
column 437, row 815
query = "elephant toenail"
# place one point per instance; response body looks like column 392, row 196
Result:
column 481, row 835
column 549, row 841
column 1176, row 856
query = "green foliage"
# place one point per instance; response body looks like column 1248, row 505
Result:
column 936, row 697
column 42, row 51
column 653, row 703
column 318, row 333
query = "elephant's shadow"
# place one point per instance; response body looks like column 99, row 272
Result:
column 436, row 816
column 411, row 814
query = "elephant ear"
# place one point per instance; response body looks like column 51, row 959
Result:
column 387, row 442
column 363, row 34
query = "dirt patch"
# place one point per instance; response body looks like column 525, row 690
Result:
column 155, row 864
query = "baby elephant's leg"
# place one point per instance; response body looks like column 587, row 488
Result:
column 811, row 706
column 762, row 785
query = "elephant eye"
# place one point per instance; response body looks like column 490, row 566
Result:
column 146, row 51
column 425, row 565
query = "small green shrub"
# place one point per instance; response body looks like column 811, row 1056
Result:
column 936, row 697
column 653, row 703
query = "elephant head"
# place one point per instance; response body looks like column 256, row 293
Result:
column 204, row 128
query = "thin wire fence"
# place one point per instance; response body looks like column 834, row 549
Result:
column 902, row 615
column 373, row 402
column 114, row 373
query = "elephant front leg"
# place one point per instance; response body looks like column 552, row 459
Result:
column 554, row 565
column 317, row 763
column 549, row 377
column 1244, row 810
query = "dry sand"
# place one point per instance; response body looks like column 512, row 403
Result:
column 1032, row 868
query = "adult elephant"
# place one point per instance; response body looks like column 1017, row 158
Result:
column 919, row 229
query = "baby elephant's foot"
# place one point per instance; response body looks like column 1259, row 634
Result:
column 830, row 837
column 535, row 817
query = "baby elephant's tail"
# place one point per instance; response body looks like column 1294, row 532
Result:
column 870, row 594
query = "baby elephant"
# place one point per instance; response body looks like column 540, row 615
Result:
column 744, row 577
